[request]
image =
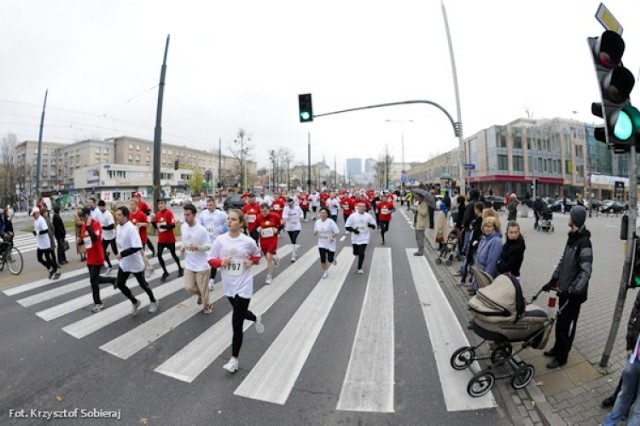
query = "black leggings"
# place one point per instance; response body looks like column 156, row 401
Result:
column 326, row 254
column 384, row 227
column 358, row 250
column 293, row 235
column 122, row 284
column 150, row 245
column 241, row 312
column 114, row 248
column 172, row 248
column 96, row 279
column 345, row 216
column 46, row 258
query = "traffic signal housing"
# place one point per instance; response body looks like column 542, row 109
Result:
column 634, row 278
column 615, row 84
column 305, row 107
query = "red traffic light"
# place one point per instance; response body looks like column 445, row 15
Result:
column 608, row 49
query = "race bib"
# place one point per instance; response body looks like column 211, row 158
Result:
column 292, row 222
column 251, row 218
column 235, row 267
column 326, row 237
column 276, row 207
column 211, row 230
column 345, row 207
column 161, row 229
column 362, row 228
column 87, row 242
column 266, row 232
column 384, row 211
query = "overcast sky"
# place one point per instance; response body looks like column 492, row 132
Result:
column 241, row 64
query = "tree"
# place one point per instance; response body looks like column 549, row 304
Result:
column 281, row 160
column 8, row 172
column 241, row 149
column 382, row 167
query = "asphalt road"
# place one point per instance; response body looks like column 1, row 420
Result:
column 52, row 359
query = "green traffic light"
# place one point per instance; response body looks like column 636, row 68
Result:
column 623, row 129
column 637, row 279
column 305, row 115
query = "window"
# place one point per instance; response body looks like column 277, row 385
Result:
column 517, row 137
column 502, row 138
column 518, row 163
column 137, row 157
column 137, row 147
column 130, row 157
column 148, row 158
column 97, row 150
column 105, row 150
column 503, row 162
column 130, row 146
column 148, row 149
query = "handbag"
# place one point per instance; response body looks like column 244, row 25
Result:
column 65, row 245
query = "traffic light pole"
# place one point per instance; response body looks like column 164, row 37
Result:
column 157, row 134
column 626, row 268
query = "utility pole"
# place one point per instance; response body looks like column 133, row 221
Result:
column 309, row 162
column 220, row 169
column 157, row 134
column 38, row 169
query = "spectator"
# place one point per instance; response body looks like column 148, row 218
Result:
column 60, row 234
column 442, row 232
column 538, row 206
column 489, row 249
column 512, row 207
column 512, row 253
column 80, row 249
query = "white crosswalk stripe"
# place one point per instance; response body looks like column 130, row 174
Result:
column 27, row 243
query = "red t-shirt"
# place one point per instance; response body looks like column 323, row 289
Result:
column 323, row 199
column 144, row 207
column 385, row 208
column 304, row 201
column 165, row 236
column 139, row 217
column 95, row 253
column 269, row 233
column 346, row 204
column 278, row 205
column 251, row 212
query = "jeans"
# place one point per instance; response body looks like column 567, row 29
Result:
column 62, row 257
column 629, row 391
column 420, row 240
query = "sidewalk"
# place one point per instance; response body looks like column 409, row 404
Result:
column 571, row 395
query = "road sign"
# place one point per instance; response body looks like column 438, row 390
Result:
column 468, row 166
column 608, row 21
column 403, row 171
column 412, row 181
column 403, row 178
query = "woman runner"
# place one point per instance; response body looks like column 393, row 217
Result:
column 292, row 217
column 235, row 253
column 326, row 230
column 358, row 224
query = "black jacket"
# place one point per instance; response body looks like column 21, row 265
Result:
column 58, row 227
column 574, row 269
column 633, row 327
column 511, row 257
column 469, row 213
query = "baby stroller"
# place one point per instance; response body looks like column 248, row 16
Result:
column 502, row 316
column 544, row 224
column 448, row 250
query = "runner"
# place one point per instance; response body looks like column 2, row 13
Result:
column 277, row 206
column 93, row 207
column 347, row 207
column 139, row 220
column 41, row 231
column 235, row 253
column 292, row 216
column 386, row 208
column 202, row 203
column 214, row 221
column 333, row 204
column 303, row 200
column 144, row 208
column 358, row 224
column 90, row 237
column 195, row 245
column 165, row 222
column 326, row 230
column 269, row 225
column 315, row 203
column 105, row 218
column 129, row 244
column 251, row 210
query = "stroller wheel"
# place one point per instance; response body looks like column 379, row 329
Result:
column 449, row 262
column 522, row 376
column 480, row 384
column 463, row 357
column 500, row 354
column 438, row 261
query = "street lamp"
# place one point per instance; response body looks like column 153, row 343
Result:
column 402, row 139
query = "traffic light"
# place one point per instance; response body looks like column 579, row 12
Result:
column 306, row 108
column 534, row 184
column 615, row 83
column 634, row 279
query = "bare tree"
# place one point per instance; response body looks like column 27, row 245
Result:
column 241, row 149
column 8, row 173
column 382, row 167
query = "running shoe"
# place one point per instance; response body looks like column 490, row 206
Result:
column 57, row 274
column 165, row 275
column 275, row 260
column 51, row 272
column 360, row 271
column 231, row 366
column 148, row 272
column 211, row 284
column 180, row 272
column 259, row 325
column 325, row 275
column 293, row 259
column 97, row 308
column 199, row 302
column 114, row 282
column 418, row 253
column 208, row 309
column 268, row 280
column 153, row 307
column 134, row 309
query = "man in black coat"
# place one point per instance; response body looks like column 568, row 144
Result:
column 60, row 234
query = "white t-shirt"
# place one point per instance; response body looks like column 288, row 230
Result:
column 95, row 214
column 202, row 204
column 197, row 234
column 214, row 222
column 327, row 232
column 129, row 237
column 332, row 204
column 360, row 222
column 236, row 277
column 106, row 218
column 44, row 243
column 291, row 218
column 315, row 200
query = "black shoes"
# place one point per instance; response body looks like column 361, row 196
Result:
column 418, row 253
column 180, row 272
column 549, row 353
column 164, row 276
column 555, row 364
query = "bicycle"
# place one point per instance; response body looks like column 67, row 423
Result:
column 10, row 255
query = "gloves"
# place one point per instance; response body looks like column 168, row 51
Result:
column 372, row 226
column 548, row 286
column 355, row 231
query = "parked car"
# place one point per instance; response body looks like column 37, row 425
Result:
column 593, row 203
column 179, row 200
column 556, row 206
column 612, row 206
column 233, row 202
column 494, row 201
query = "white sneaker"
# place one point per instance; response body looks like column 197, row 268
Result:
column 148, row 272
column 259, row 325
column 275, row 260
column 211, row 284
column 268, row 280
column 360, row 271
column 325, row 275
column 153, row 307
column 293, row 259
column 134, row 309
column 231, row 366
column 97, row 308
column 335, row 262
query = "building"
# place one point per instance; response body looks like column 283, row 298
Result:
column 27, row 163
column 354, row 166
column 370, row 165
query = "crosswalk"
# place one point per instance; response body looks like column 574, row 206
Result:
column 369, row 382
column 27, row 243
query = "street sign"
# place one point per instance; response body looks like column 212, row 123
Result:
column 403, row 178
column 468, row 166
column 403, row 171
column 412, row 181
column 607, row 20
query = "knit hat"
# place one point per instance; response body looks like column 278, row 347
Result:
column 578, row 215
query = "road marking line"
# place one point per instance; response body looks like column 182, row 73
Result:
column 194, row 358
column 446, row 336
column 140, row 337
column 276, row 372
column 369, row 381
column 342, row 238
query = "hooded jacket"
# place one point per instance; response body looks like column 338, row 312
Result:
column 574, row 269
column 511, row 257
column 489, row 251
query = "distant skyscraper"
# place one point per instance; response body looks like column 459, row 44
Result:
column 354, row 166
column 369, row 165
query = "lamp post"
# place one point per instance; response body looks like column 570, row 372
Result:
column 402, row 140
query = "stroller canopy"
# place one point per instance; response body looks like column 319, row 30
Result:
column 503, row 298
